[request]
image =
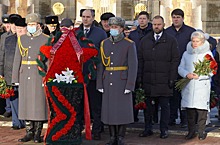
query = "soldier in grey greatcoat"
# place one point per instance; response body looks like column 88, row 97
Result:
column 116, row 79
column 32, row 101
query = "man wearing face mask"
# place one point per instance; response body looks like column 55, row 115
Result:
column 32, row 100
column 66, row 23
column 116, row 77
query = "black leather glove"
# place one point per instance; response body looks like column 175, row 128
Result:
column 171, row 84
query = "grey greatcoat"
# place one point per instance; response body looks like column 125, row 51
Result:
column 32, row 100
column 117, row 107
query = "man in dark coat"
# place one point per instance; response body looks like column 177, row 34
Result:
column 158, row 59
column 6, row 23
column 142, row 30
column 53, row 25
column 116, row 79
column 95, row 34
column 8, row 59
column 182, row 33
column 4, row 28
column 104, row 22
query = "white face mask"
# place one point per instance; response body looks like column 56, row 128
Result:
column 31, row 29
column 114, row 32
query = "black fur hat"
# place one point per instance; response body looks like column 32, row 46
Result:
column 51, row 20
column 106, row 16
column 13, row 18
column 5, row 18
column 20, row 22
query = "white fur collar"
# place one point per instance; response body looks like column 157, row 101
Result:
column 201, row 49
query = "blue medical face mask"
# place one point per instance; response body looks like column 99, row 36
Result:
column 114, row 32
column 31, row 29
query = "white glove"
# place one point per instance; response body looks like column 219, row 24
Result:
column 16, row 84
column 101, row 90
column 127, row 91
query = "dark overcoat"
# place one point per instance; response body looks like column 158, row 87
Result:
column 32, row 100
column 183, row 36
column 8, row 57
column 158, row 64
column 2, row 49
column 97, row 35
column 117, row 107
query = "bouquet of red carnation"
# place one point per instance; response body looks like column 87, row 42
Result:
column 213, row 99
column 140, row 99
column 5, row 91
column 205, row 67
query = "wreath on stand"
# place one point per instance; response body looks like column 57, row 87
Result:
column 65, row 58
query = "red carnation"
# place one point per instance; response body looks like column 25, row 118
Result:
column 214, row 72
column 91, row 45
column 83, row 38
column 52, row 40
column 45, row 50
column 208, row 57
column 213, row 64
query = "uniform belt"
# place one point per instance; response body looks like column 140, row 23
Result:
column 116, row 68
column 29, row 62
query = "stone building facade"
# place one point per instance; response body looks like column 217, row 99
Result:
column 202, row 14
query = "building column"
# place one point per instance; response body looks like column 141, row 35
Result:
column 12, row 7
column 196, row 14
column 3, row 7
column 155, row 8
column 211, row 17
column 125, row 9
column 22, row 8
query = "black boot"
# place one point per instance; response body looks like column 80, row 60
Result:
column 202, row 135
column 190, row 135
column 113, row 139
column 121, row 134
column 39, row 127
column 191, row 117
column 30, row 129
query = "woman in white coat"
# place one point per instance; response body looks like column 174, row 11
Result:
column 196, row 94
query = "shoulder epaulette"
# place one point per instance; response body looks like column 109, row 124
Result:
column 106, row 39
column 128, row 39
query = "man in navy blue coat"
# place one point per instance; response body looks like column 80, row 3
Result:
column 182, row 33
column 7, row 58
column 95, row 34
column 143, row 29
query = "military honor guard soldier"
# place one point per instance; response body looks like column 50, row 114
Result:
column 32, row 100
